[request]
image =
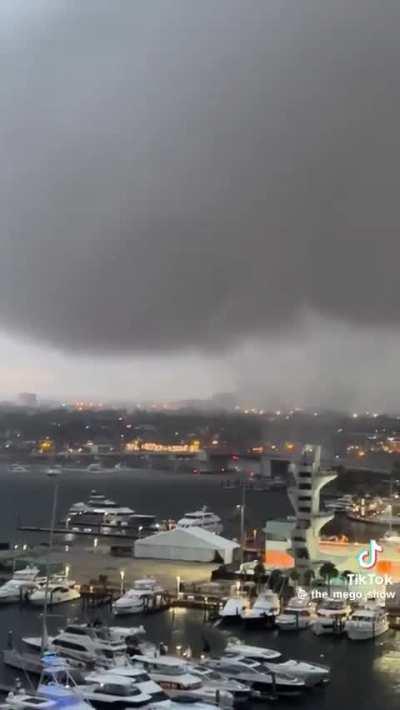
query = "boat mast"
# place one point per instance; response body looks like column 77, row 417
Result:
column 44, row 639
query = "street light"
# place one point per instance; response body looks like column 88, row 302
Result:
column 122, row 576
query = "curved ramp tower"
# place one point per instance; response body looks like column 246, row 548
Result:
column 304, row 496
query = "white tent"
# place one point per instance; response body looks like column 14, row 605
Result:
column 190, row 544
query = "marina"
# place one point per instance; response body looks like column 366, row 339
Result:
column 189, row 619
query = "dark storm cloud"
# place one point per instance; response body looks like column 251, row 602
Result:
column 183, row 174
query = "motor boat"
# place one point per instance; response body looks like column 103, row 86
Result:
column 142, row 595
column 46, row 699
column 103, row 634
column 114, row 693
column 51, row 694
column 265, row 608
column 175, row 677
column 295, row 619
column 59, row 591
column 233, row 609
column 83, row 644
column 136, row 675
column 28, row 573
column 367, row 622
column 216, row 679
column 101, row 508
column 298, row 614
column 20, row 585
column 22, row 700
column 235, row 647
column 202, row 518
column 15, row 590
column 261, row 680
column 311, row 673
column 332, row 615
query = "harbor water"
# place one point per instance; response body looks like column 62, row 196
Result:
column 364, row 675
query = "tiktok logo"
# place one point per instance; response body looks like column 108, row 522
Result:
column 369, row 557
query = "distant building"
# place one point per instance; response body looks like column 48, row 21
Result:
column 27, row 399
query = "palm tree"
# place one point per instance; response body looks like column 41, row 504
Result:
column 345, row 576
column 294, row 575
column 275, row 580
column 328, row 571
column 309, row 576
column 259, row 573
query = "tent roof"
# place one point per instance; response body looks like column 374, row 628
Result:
column 189, row 537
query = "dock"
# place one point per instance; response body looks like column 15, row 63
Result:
column 84, row 533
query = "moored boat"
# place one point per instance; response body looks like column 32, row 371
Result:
column 332, row 615
column 368, row 622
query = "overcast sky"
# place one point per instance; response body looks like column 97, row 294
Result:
column 201, row 196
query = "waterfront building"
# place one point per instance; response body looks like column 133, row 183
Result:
column 296, row 540
column 309, row 479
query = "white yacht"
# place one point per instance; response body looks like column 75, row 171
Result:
column 177, row 679
column 81, row 645
column 50, row 697
column 367, row 623
column 297, row 615
column 233, row 609
column 28, row 573
column 235, row 647
column 114, row 693
column 257, row 676
column 136, row 675
column 99, row 505
column 143, row 594
column 16, row 590
column 215, row 679
column 102, row 634
column 332, row 615
column 201, row 519
column 59, row 590
column 311, row 673
column 41, row 701
column 265, row 608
